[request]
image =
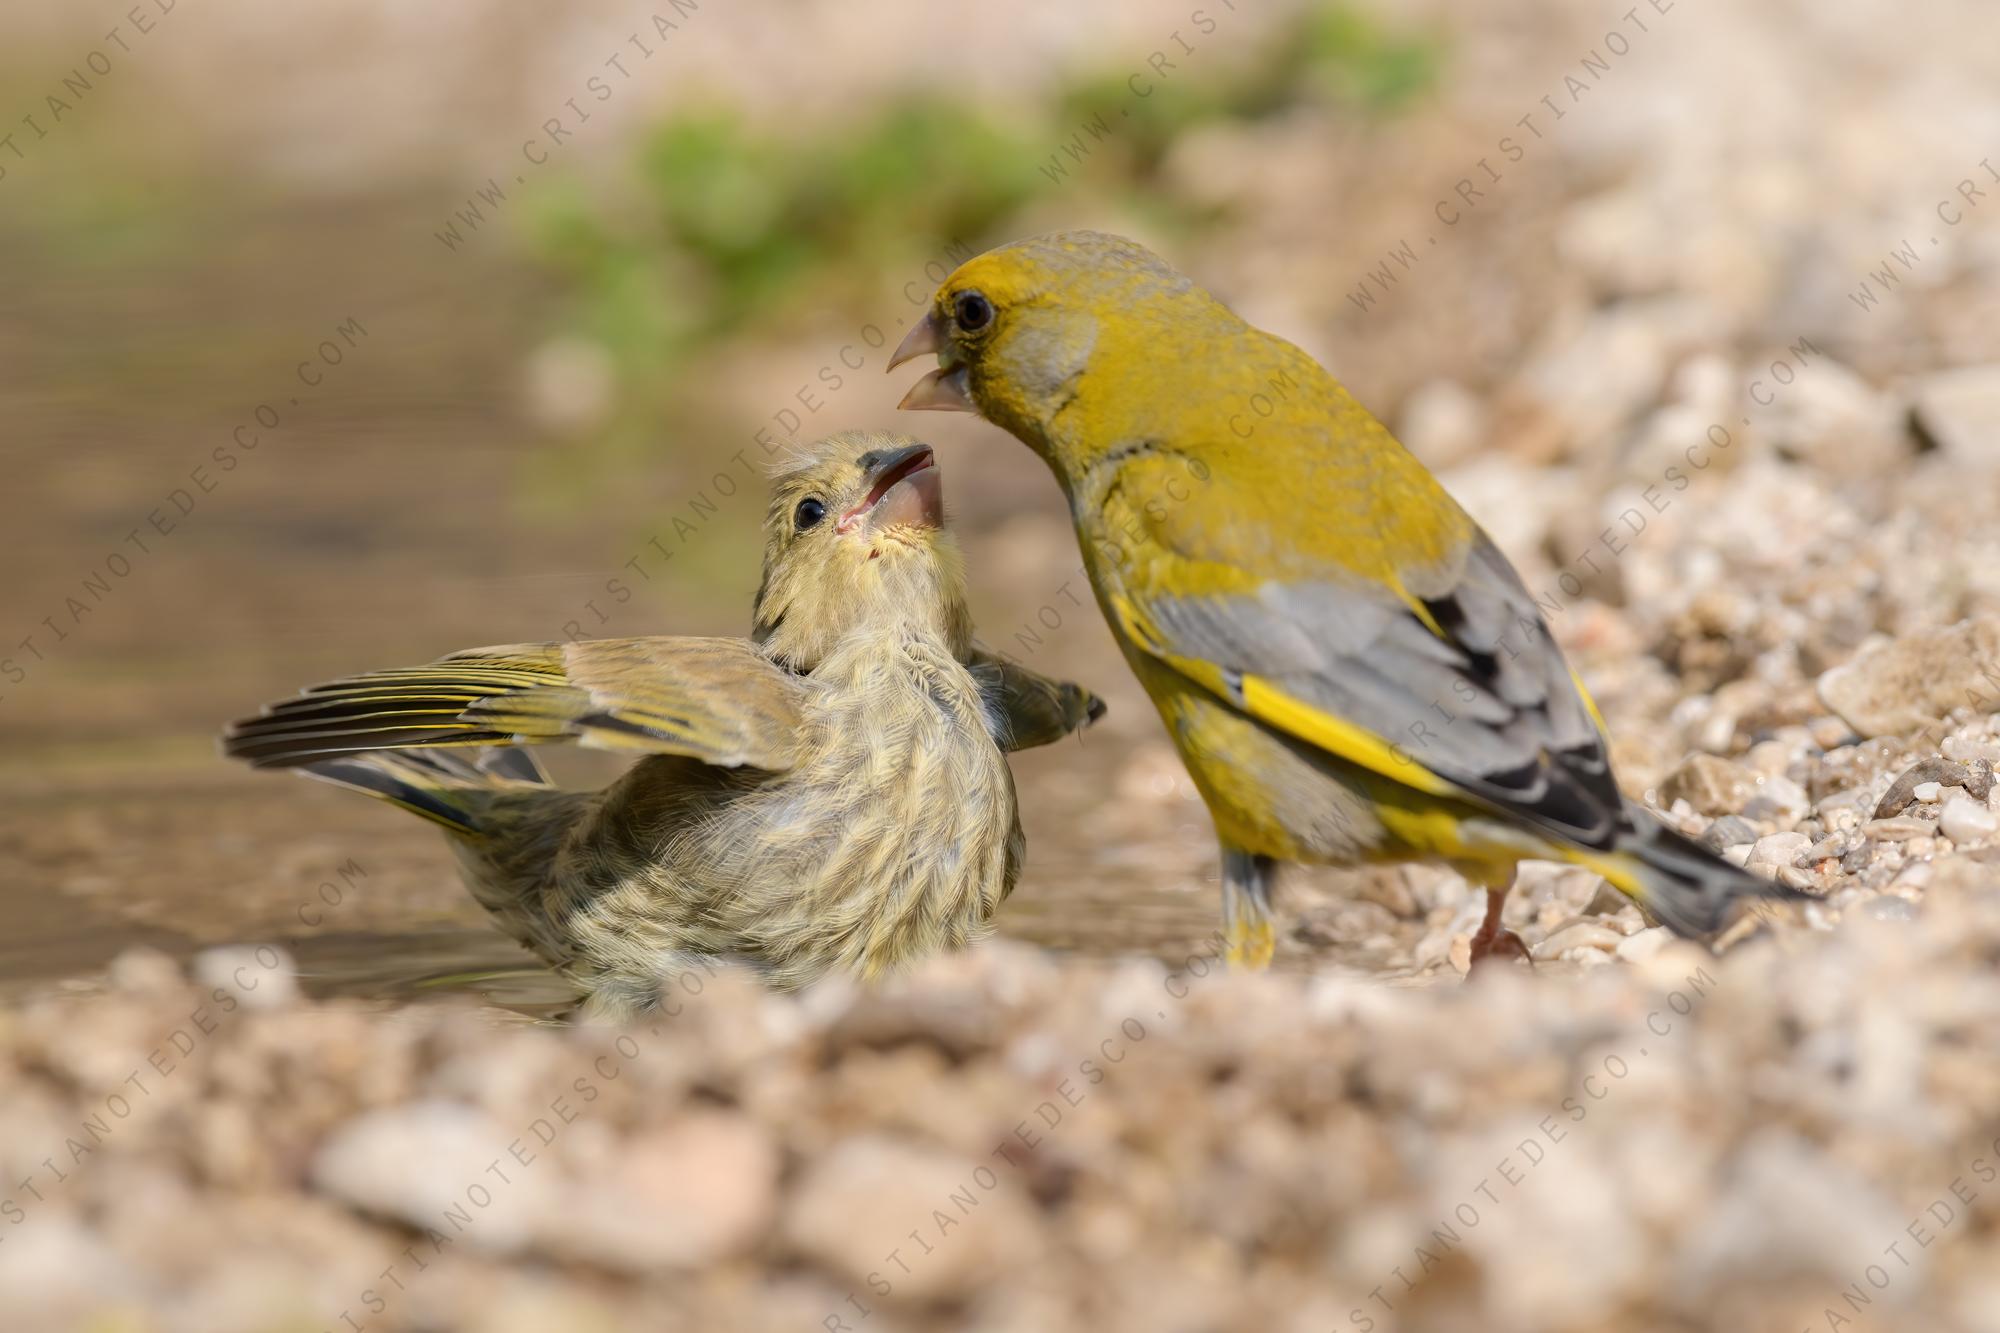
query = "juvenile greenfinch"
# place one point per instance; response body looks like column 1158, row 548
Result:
column 831, row 796
column 1350, row 668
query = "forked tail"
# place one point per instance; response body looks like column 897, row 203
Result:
column 1689, row 889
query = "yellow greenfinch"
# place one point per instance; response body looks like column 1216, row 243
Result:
column 831, row 796
column 1350, row 668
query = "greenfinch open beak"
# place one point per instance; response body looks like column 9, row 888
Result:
column 943, row 389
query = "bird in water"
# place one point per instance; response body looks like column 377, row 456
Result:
column 1350, row 668
column 831, row 795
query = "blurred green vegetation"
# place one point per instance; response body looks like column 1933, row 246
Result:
column 730, row 228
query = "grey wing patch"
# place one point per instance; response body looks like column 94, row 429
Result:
column 1511, row 659
column 1489, row 705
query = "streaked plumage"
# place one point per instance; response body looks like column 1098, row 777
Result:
column 1350, row 668
column 831, row 796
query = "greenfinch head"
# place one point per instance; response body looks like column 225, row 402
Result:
column 856, row 535
column 1018, row 329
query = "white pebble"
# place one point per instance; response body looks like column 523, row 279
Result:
column 1584, row 936
column 1639, row 947
column 262, row 975
column 1777, row 851
column 1778, row 797
column 1897, row 828
column 1926, row 791
column 1915, row 875
column 1965, row 820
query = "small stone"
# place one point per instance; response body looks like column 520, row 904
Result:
column 1643, row 945
column 1779, row 798
column 1965, row 820
column 1910, row 682
column 1900, row 829
column 142, row 970
column 864, row 1196
column 1958, row 412
column 1794, row 877
column 263, row 976
column 1770, row 758
column 1597, row 372
column 1461, row 955
column 58, row 1273
column 1580, row 936
column 1442, row 423
column 1711, row 784
column 1935, row 774
column 698, row 1190
column 1777, row 852
column 1728, row 831
column 1914, row 875
column 1974, row 751
column 1607, row 901
column 1835, row 420
column 415, row 1161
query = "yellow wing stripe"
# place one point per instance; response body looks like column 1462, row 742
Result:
column 1273, row 707
column 1590, row 705
column 1421, row 612
column 1358, row 745
column 1617, row 870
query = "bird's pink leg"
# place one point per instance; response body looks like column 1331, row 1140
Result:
column 1492, row 940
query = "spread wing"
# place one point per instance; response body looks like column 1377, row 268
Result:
column 716, row 700
column 1030, row 709
column 1438, row 674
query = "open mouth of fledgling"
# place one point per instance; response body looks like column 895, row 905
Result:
column 916, row 463
column 900, row 497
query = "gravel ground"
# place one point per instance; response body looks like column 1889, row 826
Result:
column 1007, row 1141
column 1748, row 459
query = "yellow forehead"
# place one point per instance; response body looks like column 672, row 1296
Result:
column 1077, row 264
column 1003, row 276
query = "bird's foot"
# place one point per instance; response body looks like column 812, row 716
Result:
column 1493, row 941
column 1251, row 944
column 1251, row 935
column 1495, row 949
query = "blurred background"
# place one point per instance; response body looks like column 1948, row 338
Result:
column 336, row 336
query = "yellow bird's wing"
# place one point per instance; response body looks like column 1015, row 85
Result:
column 1432, row 669
column 716, row 700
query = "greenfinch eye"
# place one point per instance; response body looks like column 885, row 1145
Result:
column 972, row 311
column 809, row 512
